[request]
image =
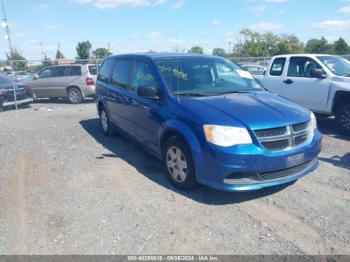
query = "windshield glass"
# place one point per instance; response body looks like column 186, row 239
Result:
column 336, row 64
column 204, row 76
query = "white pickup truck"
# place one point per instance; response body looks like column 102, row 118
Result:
column 318, row 82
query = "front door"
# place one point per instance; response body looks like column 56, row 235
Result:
column 143, row 113
column 300, row 87
column 42, row 84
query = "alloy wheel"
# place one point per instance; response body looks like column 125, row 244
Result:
column 177, row 164
column 104, row 121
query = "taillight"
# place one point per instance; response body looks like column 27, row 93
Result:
column 90, row 81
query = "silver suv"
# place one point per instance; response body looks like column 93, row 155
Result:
column 74, row 81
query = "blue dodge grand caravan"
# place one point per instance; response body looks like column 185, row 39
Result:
column 209, row 121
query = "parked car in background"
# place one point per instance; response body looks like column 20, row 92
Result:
column 73, row 81
column 12, row 93
column 22, row 75
column 318, row 82
column 208, row 120
column 256, row 71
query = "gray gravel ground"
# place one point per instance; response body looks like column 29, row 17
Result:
column 67, row 189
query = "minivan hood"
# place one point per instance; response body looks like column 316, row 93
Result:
column 255, row 110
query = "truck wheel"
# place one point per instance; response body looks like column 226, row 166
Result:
column 178, row 161
column 75, row 96
column 342, row 119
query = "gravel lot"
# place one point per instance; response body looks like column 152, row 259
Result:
column 67, row 189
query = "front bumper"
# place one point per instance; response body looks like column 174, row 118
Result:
column 225, row 169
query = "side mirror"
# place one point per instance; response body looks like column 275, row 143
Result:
column 318, row 73
column 148, row 91
column 35, row 77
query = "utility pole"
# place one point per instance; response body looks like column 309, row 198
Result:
column 59, row 50
column 8, row 37
column 229, row 47
column 42, row 50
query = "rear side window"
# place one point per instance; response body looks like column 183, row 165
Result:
column 277, row 67
column 75, row 71
column 121, row 72
column 93, row 70
column 106, row 70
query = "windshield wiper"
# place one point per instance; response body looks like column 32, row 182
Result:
column 189, row 94
column 231, row 92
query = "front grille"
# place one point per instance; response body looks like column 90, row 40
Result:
column 271, row 132
column 283, row 173
column 300, row 127
column 282, row 138
column 276, row 145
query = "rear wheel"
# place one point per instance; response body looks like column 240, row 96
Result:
column 342, row 119
column 105, row 123
column 75, row 96
column 178, row 161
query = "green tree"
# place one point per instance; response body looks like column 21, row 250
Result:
column 101, row 53
column 341, row 47
column 84, row 50
column 319, row 46
column 59, row 54
column 19, row 63
column 196, row 50
column 290, row 44
column 219, row 52
column 251, row 44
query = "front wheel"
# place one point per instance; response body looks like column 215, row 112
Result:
column 75, row 96
column 342, row 119
column 178, row 161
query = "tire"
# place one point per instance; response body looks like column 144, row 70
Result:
column 342, row 119
column 2, row 100
column 105, row 123
column 75, row 96
column 178, row 161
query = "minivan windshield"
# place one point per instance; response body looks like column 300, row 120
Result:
column 204, row 76
column 336, row 64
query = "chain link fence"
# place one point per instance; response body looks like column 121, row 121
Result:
column 23, row 82
column 66, row 80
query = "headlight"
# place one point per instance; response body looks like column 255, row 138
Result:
column 227, row 136
column 313, row 121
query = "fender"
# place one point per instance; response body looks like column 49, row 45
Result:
column 183, row 130
column 191, row 140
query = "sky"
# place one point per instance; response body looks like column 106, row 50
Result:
column 163, row 25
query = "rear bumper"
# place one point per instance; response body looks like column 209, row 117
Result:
column 89, row 91
column 251, row 168
column 18, row 102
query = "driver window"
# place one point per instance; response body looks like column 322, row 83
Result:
column 142, row 75
column 302, row 67
column 45, row 73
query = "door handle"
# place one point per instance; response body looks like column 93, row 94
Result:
column 288, row 81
